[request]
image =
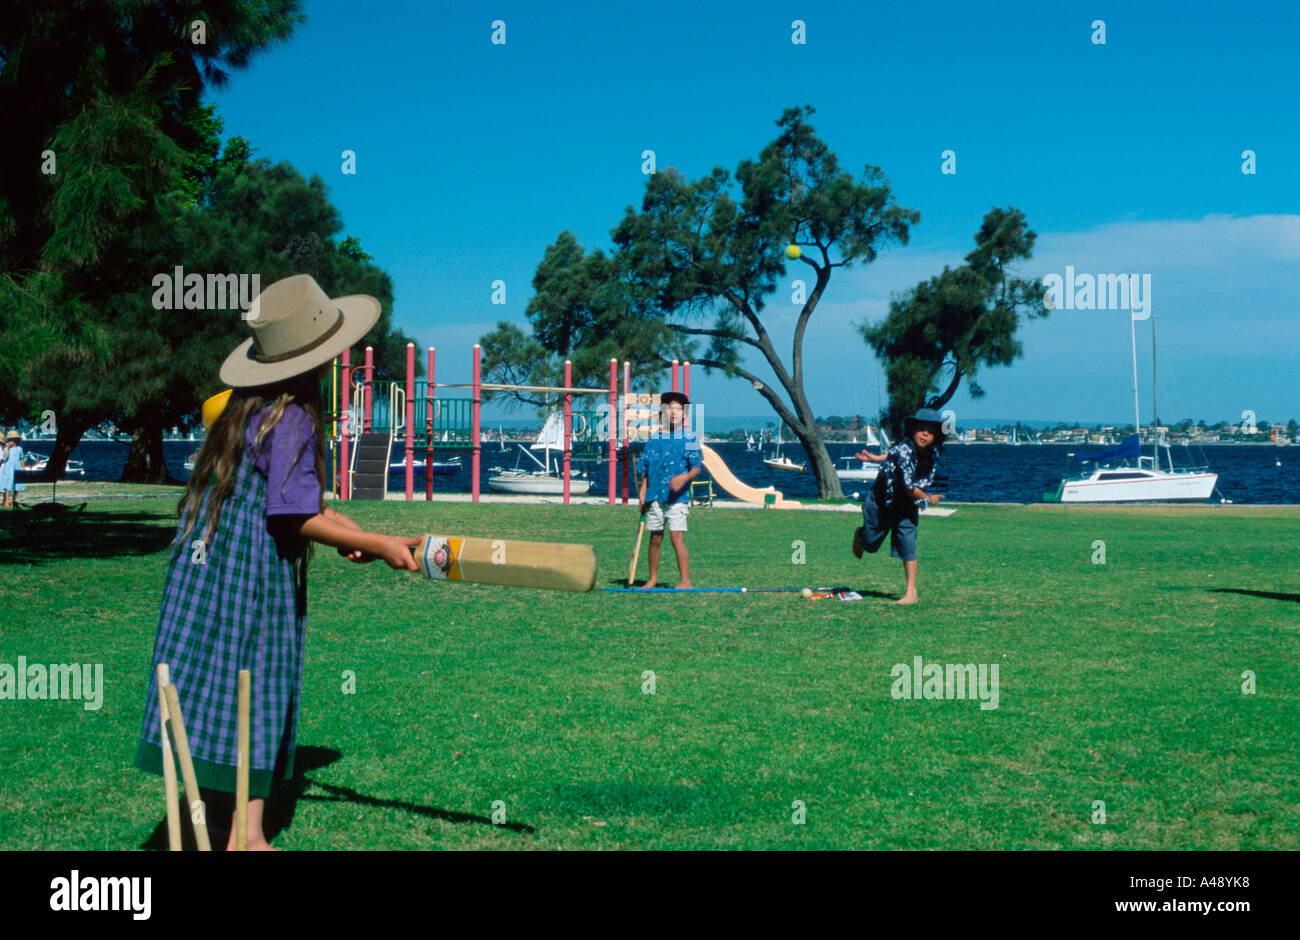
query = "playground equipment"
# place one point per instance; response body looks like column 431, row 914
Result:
column 372, row 415
column 723, row 476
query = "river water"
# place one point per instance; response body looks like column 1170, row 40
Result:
column 1248, row 473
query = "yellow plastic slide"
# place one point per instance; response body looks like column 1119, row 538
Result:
column 748, row 494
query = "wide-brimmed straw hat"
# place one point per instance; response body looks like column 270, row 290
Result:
column 925, row 416
column 13, row 436
column 297, row 328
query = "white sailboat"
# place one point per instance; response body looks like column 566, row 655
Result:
column 864, row 472
column 1145, row 482
column 779, row 462
column 548, row 480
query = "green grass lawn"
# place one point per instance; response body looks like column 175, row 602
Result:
column 1119, row 682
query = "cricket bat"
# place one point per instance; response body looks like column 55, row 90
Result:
column 636, row 553
column 552, row 566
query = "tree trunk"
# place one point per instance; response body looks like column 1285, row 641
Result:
column 70, row 431
column 820, row 462
column 939, row 401
column 145, row 462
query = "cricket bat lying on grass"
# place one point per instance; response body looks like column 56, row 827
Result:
column 553, row 566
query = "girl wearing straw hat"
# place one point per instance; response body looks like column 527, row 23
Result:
column 10, row 464
column 236, row 591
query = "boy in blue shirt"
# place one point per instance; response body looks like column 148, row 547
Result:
column 668, row 464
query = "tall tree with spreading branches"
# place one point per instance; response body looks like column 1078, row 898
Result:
column 700, row 258
column 946, row 328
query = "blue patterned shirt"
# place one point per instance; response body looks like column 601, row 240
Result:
column 903, row 471
column 664, row 457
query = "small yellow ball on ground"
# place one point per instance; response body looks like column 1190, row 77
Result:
column 793, row 252
column 806, row 592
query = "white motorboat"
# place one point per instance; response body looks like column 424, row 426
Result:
column 1143, row 481
column 864, row 471
column 34, row 464
column 548, row 479
column 857, row 471
column 440, row 467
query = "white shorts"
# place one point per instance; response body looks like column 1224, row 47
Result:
column 675, row 516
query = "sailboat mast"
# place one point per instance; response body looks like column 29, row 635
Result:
column 1132, row 337
column 1155, row 408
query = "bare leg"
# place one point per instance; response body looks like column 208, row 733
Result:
column 256, row 838
column 656, row 540
column 909, row 569
column 683, row 558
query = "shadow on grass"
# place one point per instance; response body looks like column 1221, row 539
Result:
column 621, row 584
column 612, row 797
column 1271, row 595
column 882, row 595
column 283, row 804
column 38, row 535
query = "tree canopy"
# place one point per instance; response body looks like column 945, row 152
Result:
column 697, row 261
column 950, row 326
column 585, row 308
column 115, row 174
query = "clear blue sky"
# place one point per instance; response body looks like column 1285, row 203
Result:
column 1125, row 157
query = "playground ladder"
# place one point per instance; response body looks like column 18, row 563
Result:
column 372, row 450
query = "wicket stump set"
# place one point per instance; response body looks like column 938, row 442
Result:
column 169, row 713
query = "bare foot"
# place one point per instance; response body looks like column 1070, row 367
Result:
column 649, row 584
column 254, row 845
column 906, row 599
column 685, row 586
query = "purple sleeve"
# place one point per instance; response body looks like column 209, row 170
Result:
column 288, row 459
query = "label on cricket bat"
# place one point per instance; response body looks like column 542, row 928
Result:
column 551, row 566
column 441, row 557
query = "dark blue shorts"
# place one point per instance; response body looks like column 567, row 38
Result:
column 900, row 527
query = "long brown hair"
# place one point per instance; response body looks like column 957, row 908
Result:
column 222, row 450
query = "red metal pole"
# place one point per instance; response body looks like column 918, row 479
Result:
column 674, row 375
column 429, row 394
column 370, row 377
column 686, row 390
column 346, row 393
column 474, row 431
column 613, row 437
column 410, row 422
column 627, row 445
column 568, row 426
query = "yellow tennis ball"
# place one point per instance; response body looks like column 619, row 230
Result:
column 213, row 407
column 793, row 252
column 806, row 592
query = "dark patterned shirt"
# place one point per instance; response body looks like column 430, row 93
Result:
column 902, row 472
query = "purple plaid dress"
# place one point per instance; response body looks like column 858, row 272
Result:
column 244, row 608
